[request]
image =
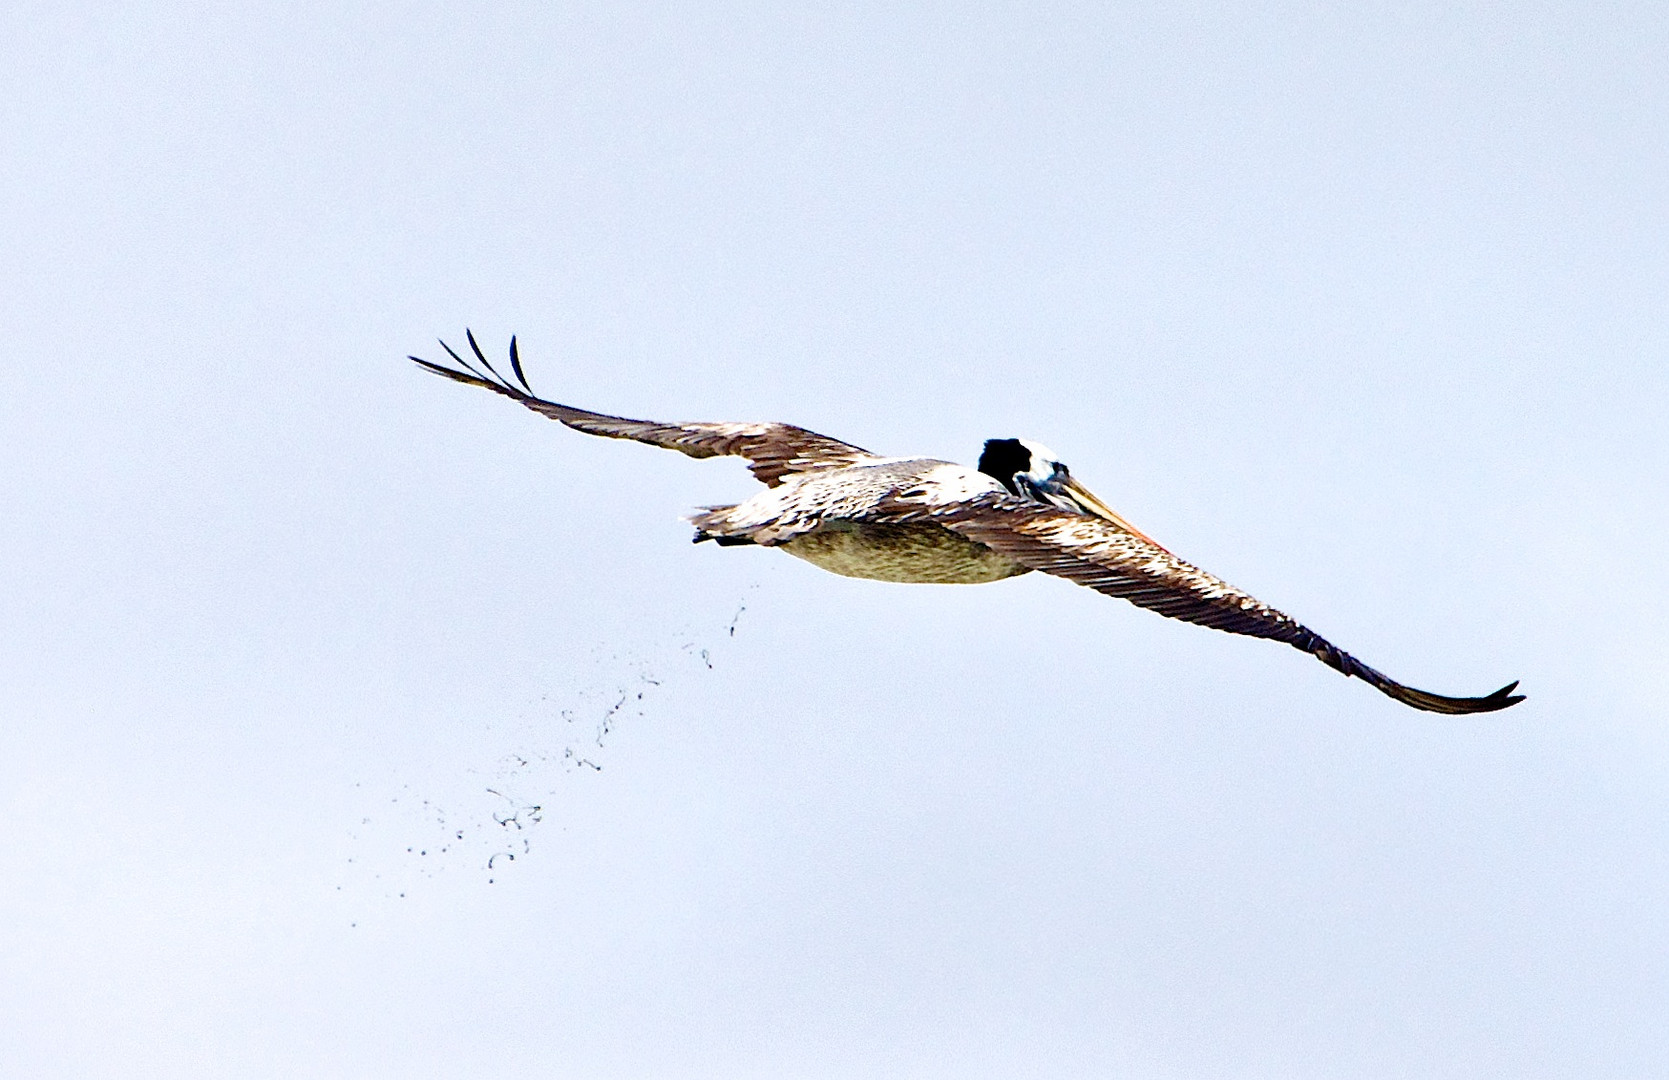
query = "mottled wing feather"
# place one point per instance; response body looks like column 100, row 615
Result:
column 771, row 450
column 1100, row 555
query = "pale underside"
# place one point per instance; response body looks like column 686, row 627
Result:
column 917, row 553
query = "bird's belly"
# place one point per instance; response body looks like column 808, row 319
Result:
column 922, row 552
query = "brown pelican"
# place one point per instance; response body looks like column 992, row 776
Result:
column 924, row 520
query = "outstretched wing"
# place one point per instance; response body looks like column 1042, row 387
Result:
column 772, row 450
column 1102, row 556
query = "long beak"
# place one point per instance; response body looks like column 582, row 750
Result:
column 1086, row 502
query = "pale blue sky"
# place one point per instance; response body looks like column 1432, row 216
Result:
column 1363, row 311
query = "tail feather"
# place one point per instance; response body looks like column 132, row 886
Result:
column 713, row 523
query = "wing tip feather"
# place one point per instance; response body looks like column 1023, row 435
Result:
column 469, row 378
column 516, row 364
column 1503, row 698
column 468, row 374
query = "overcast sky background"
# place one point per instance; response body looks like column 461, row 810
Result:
column 1363, row 311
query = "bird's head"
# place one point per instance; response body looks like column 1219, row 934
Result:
column 1031, row 471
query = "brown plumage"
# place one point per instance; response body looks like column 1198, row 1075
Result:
column 925, row 520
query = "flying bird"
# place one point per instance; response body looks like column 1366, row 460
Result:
column 916, row 519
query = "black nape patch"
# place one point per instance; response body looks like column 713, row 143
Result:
column 1002, row 459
